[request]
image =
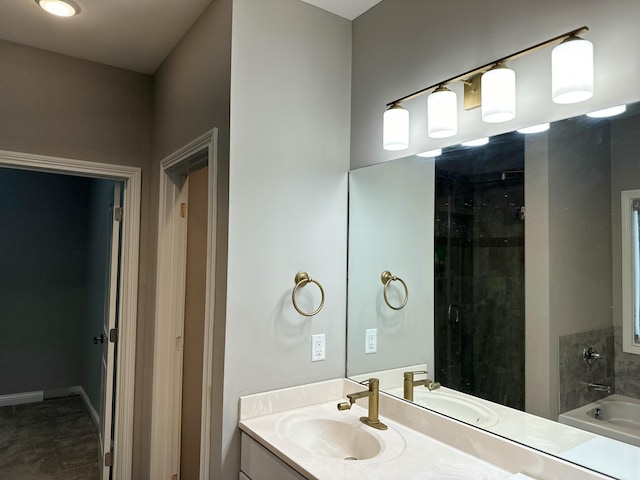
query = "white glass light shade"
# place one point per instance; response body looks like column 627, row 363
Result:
column 608, row 112
column 442, row 113
column 498, row 95
column 58, row 8
column 541, row 127
column 478, row 142
column 572, row 71
column 395, row 134
column 430, row 153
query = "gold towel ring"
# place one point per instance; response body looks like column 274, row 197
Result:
column 302, row 278
column 387, row 278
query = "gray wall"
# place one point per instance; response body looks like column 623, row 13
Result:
column 290, row 97
column 191, row 96
column 579, row 225
column 290, row 140
column 568, row 248
column 101, row 114
column 400, row 46
column 43, row 259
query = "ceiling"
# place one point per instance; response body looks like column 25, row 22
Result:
column 348, row 9
column 132, row 34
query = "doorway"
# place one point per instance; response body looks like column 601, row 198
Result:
column 175, row 393
column 69, row 279
column 56, row 254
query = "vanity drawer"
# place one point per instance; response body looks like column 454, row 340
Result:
column 257, row 463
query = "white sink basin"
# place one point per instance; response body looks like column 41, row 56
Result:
column 455, row 406
column 333, row 439
column 328, row 435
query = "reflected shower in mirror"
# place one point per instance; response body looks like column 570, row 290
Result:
column 512, row 252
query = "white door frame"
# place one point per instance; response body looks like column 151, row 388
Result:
column 125, row 375
column 170, row 293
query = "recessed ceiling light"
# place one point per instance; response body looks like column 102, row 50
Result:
column 430, row 154
column 478, row 142
column 59, row 8
column 541, row 127
column 608, row 112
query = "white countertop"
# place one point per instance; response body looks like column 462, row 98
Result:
column 403, row 454
column 419, row 444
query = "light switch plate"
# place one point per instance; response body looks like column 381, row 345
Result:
column 371, row 340
column 317, row 347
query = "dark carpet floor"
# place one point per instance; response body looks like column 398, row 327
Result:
column 51, row 440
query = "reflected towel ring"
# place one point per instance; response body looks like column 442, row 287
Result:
column 387, row 278
column 302, row 278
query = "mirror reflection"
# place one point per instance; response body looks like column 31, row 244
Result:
column 511, row 261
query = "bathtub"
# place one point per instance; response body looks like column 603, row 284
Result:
column 615, row 416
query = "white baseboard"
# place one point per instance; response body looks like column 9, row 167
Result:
column 87, row 403
column 19, row 398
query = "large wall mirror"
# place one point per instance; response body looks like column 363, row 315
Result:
column 519, row 281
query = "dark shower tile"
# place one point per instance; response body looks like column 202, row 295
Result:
column 568, row 400
column 628, row 385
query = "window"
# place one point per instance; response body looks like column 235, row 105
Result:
column 631, row 271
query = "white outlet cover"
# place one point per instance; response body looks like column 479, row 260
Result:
column 371, row 340
column 317, row 347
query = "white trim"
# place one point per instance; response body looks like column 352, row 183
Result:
column 20, row 398
column 79, row 390
column 128, row 319
column 629, row 345
column 209, row 315
column 170, row 289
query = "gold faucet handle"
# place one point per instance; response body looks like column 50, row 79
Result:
column 369, row 381
column 431, row 385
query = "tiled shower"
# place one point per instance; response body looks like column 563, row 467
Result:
column 479, row 270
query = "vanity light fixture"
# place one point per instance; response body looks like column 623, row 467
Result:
column 492, row 86
column 430, row 153
column 478, row 142
column 608, row 112
column 498, row 94
column 572, row 70
column 396, row 128
column 541, row 127
column 59, row 8
column 442, row 113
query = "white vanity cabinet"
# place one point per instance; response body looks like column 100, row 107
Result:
column 257, row 463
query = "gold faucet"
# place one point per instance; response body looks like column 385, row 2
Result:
column 409, row 383
column 373, row 394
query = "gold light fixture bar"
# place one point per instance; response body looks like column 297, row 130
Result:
column 471, row 79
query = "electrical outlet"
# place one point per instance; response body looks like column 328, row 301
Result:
column 317, row 347
column 371, row 340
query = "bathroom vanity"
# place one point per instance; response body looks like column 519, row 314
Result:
column 299, row 433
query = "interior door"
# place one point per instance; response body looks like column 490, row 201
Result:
column 110, row 336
